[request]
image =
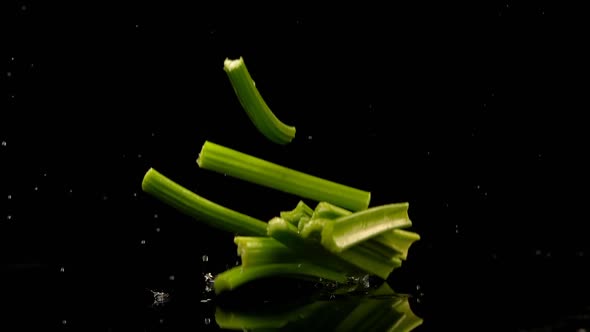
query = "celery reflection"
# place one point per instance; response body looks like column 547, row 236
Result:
column 380, row 310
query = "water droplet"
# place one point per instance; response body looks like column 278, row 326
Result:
column 134, row 194
column 142, row 241
column 310, row 137
column 205, row 258
column 171, row 278
column 580, row 253
column 64, row 322
column 207, row 321
column 155, row 216
column 139, row 155
column 62, row 269
column 548, row 254
column 9, row 217
column 205, row 300
column 137, row 25
column 36, row 188
column 153, row 134
column 161, row 320
column 537, row 252
column 3, row 143
column 9, row 74
column 298, row 266
column 70, row 191
column 9, row 196
column 157, row 229
column 12, row 59
column 417, row 287
column 105, row 197
column 418, row 300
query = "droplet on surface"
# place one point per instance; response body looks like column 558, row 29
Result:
column 205, row 258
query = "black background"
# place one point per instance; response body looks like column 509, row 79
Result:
column 472, row 113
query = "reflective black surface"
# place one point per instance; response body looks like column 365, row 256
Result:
column 471, row 114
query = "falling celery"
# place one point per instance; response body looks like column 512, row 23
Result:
column 344, row 232
column 256, row 108
column 191, row 204
column 224, row 160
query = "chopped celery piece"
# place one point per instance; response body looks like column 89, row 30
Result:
column 238, row 276
column 369, row 261
column 191, row 204
column 286, row 234
column 302, row 222
column 329, row 211
column 256, row 108
column 313, row 228
column 399, row 240
column 245, row 167
column 263, row 250
column 344, row 232
column 295, row 215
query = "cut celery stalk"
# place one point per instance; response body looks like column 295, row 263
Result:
column 263, row 250
column 293, row 216
column 224, row 160
column 256, row 108
column 191, row 204
column 370, row 261
column 398, row 240
column 329, row 211
column 344, row 232
column 238, row 276
column 286, row 234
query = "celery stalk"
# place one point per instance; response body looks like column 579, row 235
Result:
column 256, row 108
column 344, row 232
column 193, row 205
column 245, row 167
column 238, row 276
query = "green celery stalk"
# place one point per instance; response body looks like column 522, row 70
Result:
column 245, row 167
column 238, row 276
column 287, row 234
column 344, row 232
column 370, row 261
column 263, row 250
column 329, row 211
column 193, row 205
column 398, row 240
column 256, row 108
column 313, row 228
column 293, row 216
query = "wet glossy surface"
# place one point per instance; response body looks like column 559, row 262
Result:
column 469, row 114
